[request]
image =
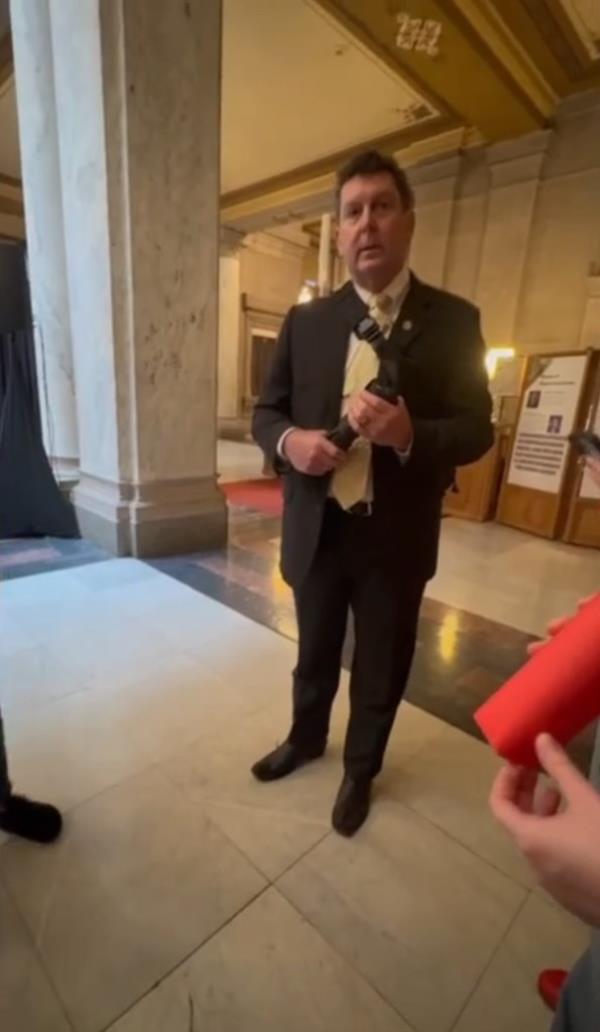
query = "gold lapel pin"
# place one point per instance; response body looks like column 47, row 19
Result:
column 407, row 324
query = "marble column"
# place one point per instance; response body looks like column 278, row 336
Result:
column 138, row 97
column 434, row 183
column 40, row 165
column 325, row 255
column 515, row 168
column 230, row 312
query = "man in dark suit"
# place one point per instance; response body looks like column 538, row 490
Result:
column 360, row 530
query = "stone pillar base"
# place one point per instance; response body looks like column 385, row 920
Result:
column 66, row 472
column 167, row 517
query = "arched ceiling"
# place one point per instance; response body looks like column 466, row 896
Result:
column 306, row 82
column 287, row 105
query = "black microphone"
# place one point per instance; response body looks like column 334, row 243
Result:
column 383, row 386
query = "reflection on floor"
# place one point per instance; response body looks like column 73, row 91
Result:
column 184, row 894
column 461, row 657
column 22, row 557
column 495, row 588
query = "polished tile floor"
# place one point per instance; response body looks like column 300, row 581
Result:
column 184, row 896
column 478, row 617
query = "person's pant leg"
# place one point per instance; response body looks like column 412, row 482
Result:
column 322, row 606
column 386, row 613
column 579, row 1005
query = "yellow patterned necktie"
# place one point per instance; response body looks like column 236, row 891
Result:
column 351, row 482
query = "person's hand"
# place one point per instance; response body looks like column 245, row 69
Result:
column 556, row 626
column 309, row 451
column 380, row 422
column 562, row 845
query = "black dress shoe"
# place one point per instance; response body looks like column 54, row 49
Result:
column 38, row 822
column 352, row 805
column 283, row 760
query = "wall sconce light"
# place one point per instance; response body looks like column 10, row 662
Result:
column 494, row 356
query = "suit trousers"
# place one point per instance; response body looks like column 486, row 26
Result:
column 4, row 782
column 352, row 573
column 579, row 1006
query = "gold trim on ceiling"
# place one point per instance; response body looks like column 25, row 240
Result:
column 467, row 77
column 6, row 59
column 326, row 167
column 357, row 31
column 481, row 21
column 10, row 181
column 559, row 34
column 9, row 206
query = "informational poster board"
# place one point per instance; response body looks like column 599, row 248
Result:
column 540, row 478
column 548, row 414
column 582, row 496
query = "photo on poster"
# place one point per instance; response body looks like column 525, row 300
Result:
column 551, row 400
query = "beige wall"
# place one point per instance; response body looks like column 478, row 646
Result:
column 271, row 270
column 516, row 229
column 229, row 336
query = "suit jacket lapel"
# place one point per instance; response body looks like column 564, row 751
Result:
column 409, row 323
column 348, row 311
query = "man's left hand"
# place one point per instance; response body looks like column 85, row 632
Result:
column 380, row 422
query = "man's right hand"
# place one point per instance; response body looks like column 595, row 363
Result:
column 309, row 451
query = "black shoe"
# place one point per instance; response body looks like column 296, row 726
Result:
column 38, row 822
column 352, row 805
column 283, row 760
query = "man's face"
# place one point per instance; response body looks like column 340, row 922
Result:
column 374, row 231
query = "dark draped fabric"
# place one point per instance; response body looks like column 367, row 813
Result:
column 31, row 503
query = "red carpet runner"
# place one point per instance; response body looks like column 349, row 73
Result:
column 263, row 495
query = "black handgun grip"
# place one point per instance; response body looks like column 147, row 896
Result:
column 344, row 436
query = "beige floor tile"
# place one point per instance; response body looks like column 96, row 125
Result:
column 83, row 744
column 28, row 1002
column 272, row 842
column 416, row 913
column 268, row 971
column 34, row 677
column 448, row 782
column 506, row 999
column 273, row 824
column 511, row 577
column 139, row 881
column 238, row 460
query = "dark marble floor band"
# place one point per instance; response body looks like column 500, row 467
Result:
column 461, row 658
column 22, row 557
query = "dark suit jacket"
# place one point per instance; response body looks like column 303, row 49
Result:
column 440, row 351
